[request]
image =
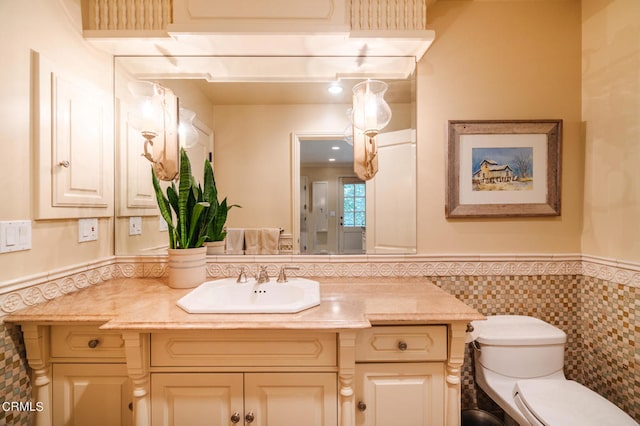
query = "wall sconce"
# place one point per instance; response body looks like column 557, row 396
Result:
column 370, row 115
column 156, row 117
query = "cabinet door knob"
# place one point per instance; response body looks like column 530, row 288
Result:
column 249, row 417
column 64, row 164
column 235, row 418
column 362, row 406
column 402, row 346
column 93, row 343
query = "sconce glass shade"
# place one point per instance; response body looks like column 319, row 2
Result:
column 371, row 113
column 148, row 98
column 186, row 130
column 155, row 115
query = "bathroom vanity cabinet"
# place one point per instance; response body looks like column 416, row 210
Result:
column 326, row 366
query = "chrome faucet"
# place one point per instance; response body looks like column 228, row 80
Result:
column 262, row 276
column 282, row 277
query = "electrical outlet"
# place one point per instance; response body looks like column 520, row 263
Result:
column 15, row 235
column 135, row 225
column 87, row 230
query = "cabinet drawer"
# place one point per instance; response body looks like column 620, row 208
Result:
column 243, row 348
column 402, row 343
column 85, row 341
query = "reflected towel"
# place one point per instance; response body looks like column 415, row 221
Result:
column 269, row 239
column 252, row 241
column 235, row 240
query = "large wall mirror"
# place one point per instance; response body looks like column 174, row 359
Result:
column 280, row 146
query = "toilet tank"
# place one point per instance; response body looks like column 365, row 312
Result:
column 518, row 346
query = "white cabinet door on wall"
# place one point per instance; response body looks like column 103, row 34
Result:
column 73, row 141
column 408, row 394
column 91, row 394
column 196, row 399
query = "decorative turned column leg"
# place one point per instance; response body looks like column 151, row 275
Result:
column 141, row 402
column 42, row 394
column 347, row 407
column 136, row 347
column 457, row 335
column 36, row 343
column 346, row 373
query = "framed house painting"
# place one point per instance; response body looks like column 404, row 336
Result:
column 503, row 168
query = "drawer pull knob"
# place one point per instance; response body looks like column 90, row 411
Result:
column 402, row 346
column 235, row 418
column 249, row 417
column 362, row 406
column 93, row 343
column 131, row 406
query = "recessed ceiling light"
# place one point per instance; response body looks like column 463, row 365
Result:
column 331, row 160
column 335, row 89
column 335, row 148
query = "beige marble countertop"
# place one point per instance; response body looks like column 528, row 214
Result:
column 346, row 303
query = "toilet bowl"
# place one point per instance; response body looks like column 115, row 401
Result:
column 519, row 363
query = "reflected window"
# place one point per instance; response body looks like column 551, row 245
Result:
column 354, row 204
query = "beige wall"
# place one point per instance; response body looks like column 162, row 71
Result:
column 611, row 112
column 46, row 27
column 490, row 60
column 499, row 60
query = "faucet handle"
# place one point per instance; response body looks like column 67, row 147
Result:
column 242, row 276
column 282, row 276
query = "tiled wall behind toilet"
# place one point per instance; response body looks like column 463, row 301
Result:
column 599, row 317
column 595, row 305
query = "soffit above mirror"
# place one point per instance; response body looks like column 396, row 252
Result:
column 266, row 40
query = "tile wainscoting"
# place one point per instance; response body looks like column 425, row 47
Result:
column 594, row 300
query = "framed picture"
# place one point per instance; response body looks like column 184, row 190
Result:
column 503, row 168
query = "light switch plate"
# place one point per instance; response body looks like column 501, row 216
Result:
column 135, row 225
column 15, row 235
column 87, row 230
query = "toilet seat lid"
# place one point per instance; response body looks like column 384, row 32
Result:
column 565, row 403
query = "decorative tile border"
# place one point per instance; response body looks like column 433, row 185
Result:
column 29, row 291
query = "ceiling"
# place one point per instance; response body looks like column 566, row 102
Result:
column 285, row 93
column 317, row 152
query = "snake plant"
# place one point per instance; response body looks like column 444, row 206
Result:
column 199, row 216
column 217, row 214
column 192, row 212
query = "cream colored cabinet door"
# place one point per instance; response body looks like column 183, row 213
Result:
column 195, row 399
column 291, row 399
column 407, row 394
column 91, row 394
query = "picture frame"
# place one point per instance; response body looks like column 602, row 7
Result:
column 503, row 168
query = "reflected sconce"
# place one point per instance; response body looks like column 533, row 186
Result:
column 186, row 130
column 156, row 117
column 371, row 113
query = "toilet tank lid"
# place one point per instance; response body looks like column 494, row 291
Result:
column 507, row 330
column 567, row 403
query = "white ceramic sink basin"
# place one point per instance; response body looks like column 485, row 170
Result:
column 228, row 296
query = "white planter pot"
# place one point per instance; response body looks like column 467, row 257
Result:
column 215, row 247
column 187, row 267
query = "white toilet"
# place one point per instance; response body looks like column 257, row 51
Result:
column 519, row 362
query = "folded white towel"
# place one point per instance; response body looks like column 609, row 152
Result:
column 252, row 241
column 235, row 240
column 269, row 239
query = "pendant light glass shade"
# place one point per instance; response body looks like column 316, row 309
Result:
column 371, row 113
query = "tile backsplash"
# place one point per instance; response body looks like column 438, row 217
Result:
column 593, row 300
